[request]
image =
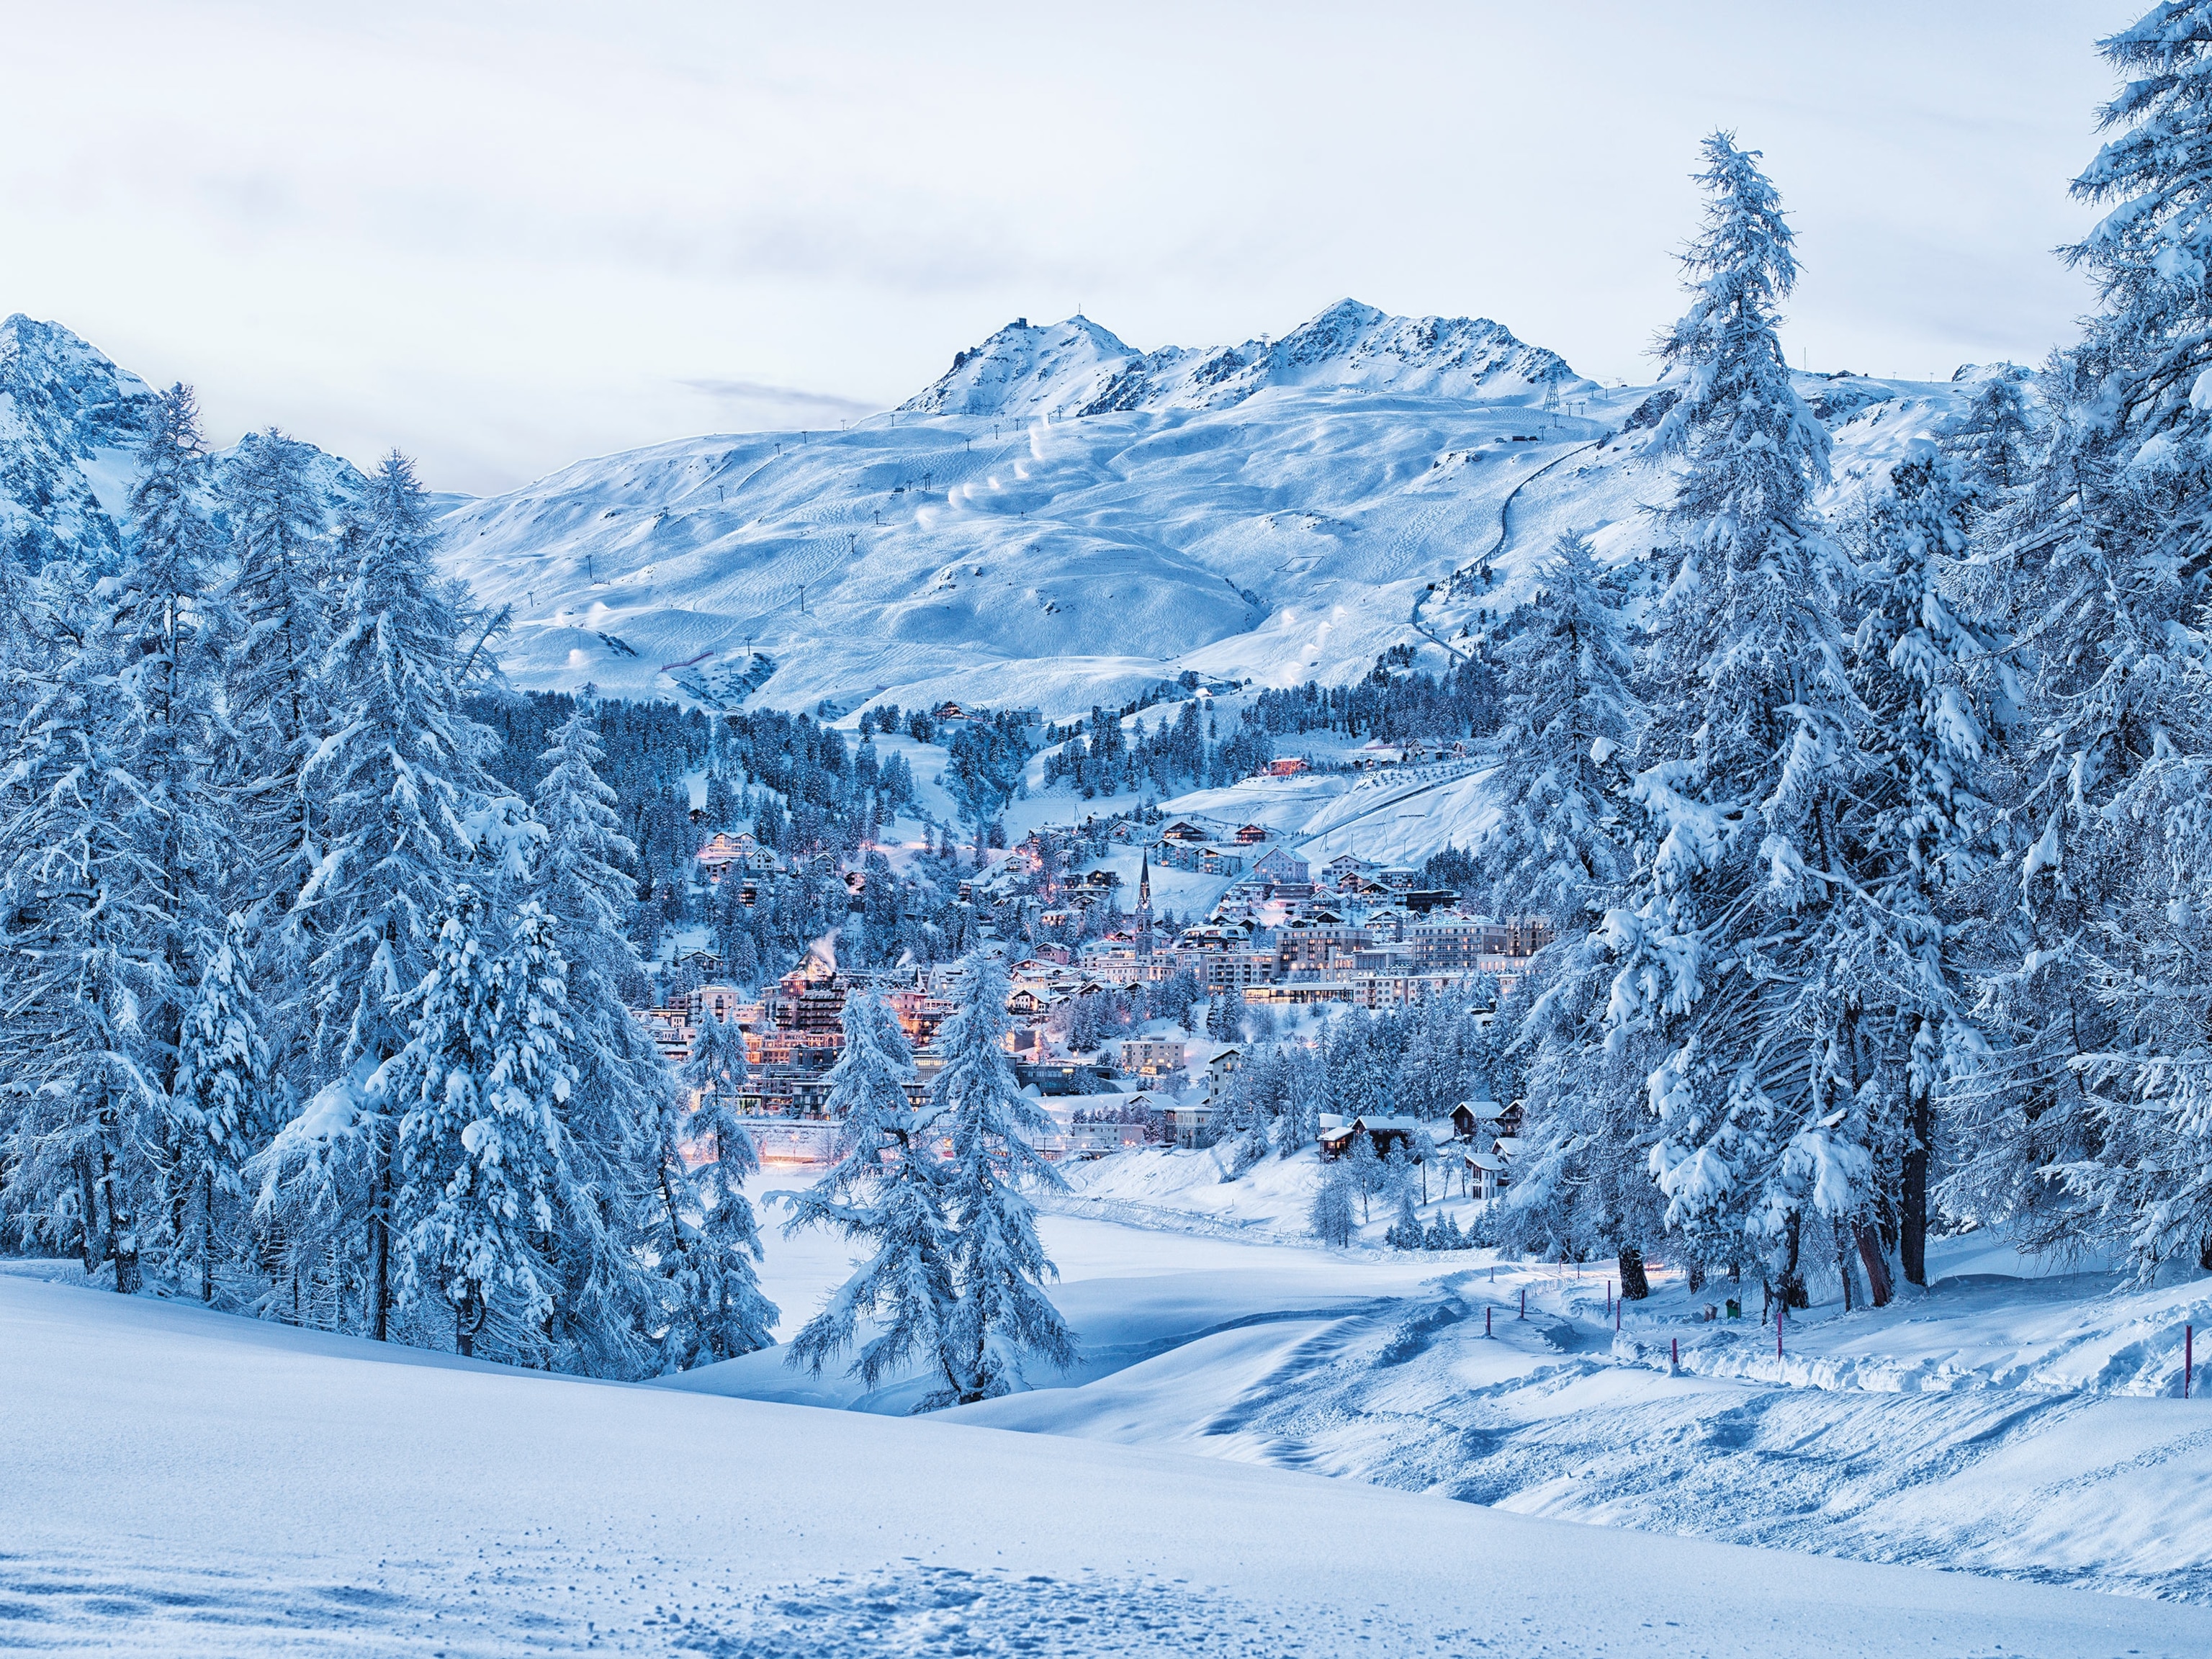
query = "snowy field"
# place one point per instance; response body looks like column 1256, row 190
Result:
column 187, row 1483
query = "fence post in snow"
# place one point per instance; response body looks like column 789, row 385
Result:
column 1674, row 1356
column 2188, row 1357
column 1778, row 1330
column 1485, row 1321
column 1524, row 1302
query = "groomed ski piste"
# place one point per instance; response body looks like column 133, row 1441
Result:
column 1267, row 1449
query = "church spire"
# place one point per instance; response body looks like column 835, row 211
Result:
column 1145, row 905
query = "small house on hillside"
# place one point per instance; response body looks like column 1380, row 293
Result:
column 1481, row 1115
column 1384, row 1132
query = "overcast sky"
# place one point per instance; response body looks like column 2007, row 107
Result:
column 504, row 236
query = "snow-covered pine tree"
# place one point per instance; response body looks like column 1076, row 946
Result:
column 1723, row 943
column 481, row 1166
column 167, row 676
column 1582, row 1184
column 1001, row 1312
column 621, row 1119
column 280, row 599
column 397, row 778
column 2103, row 1071
column 1331, row 1217
column 882, row 1191
column 1364, row 1170
column 1993, row 443
column 716, row 1309
column 219, row 1110
column 1916, row 827
column 83, row 904
column 1559, row 845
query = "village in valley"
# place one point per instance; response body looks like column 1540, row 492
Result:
column 1286, row 943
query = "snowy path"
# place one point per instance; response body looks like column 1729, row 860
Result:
column 184, row 1483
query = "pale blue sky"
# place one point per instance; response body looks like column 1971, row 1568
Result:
column 503, row 236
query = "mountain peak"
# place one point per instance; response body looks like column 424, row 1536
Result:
column 1075, row 367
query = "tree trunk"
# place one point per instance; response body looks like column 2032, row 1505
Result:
column 1793, row 1281
column 88, row 1216
column 1843, row 1266
column 207, row 1242
column 379, row 1244
column 122, row 1232
column 1697, row 1274
column 1634, row 1286
column 1913, row 1227
column 1877, row 1270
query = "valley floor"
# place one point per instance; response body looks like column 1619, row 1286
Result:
column 185, row 1482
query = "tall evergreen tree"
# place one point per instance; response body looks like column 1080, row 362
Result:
column 1001, row 1314
column 882, row 1191
column 1722, row 945
column 280, row 600
column 82, row 900
column 398, row 779
column 2102, row 1070
column 1916, row 832
column 622, row 1118
column 717, row 1310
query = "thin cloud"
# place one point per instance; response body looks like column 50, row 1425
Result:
column 778, row 397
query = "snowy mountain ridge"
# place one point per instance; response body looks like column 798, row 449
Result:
column 1284, row 517
column 1070, row 369
column 70, row 420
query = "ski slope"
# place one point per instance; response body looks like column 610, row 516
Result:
column 187, row 1483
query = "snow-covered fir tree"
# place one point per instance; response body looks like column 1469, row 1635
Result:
column 109, row 854
column 218, row 1110
column 1330, row 1217
column 1000, row 1315
column 280, row 599
column 1724, row 944
column 716, row 1309
column 483, row 1178
column 83, row 905
column 1916, row 830
column 400, row 783
column 882, row 1191
column 1568, row 719
column 2101, row 1070
column 622, row 1117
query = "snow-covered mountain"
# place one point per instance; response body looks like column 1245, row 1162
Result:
column 1075, row 367
column 69, row 422
column 1059, row 520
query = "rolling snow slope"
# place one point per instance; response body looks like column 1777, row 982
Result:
column 187, row 1483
